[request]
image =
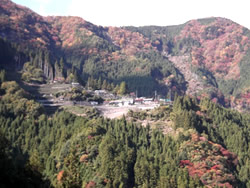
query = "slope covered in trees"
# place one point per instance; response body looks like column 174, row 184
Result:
column 210, row 146
column 216, row 52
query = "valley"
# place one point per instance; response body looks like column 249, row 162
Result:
column 84, row 105
column 109, row 108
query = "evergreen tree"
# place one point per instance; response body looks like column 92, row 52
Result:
column 2, row 76
column 71, row 177
column 99, row 83
column 35, row 162
column 123, row 88
column 62, row 66
column 116, row 89
column 105, row 85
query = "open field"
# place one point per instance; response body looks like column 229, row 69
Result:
column 48, row 89
column 116, row 112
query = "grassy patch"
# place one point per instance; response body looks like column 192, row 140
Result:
column 82, row 110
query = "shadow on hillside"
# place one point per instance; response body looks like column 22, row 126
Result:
column 34, row 91
column 144, row 85
column 15, row 169
column 16, row 76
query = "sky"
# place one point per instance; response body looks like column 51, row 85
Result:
column 142, row 12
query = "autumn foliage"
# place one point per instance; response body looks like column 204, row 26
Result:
column 209, row 161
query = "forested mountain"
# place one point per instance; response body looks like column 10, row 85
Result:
column 211, row 53
column 206, row 57
column 197, row 142
column 208, row 146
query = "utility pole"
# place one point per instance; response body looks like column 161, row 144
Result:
column 155, row 95
column 170, row 94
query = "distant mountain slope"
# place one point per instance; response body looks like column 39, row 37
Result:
column 217, row 50
column 205, row 57
column 23, row 26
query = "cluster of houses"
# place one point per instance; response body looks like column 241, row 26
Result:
column 105, row 95
column 113, row 100
column 139, row 101
column 133, row 100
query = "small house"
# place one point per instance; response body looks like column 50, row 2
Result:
column 93, row 103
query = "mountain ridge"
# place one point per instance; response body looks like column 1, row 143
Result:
column 183, row 143
column 217, row 51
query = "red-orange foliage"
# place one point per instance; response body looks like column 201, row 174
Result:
column 222, row 45
column 227, row 185
column 60, row 175
column 215, row 167
column 208, row 161
column 129, row 42
column 185, row 163
column 25, row 25
column 90, row 184
column 105, row 181
column 84, row 158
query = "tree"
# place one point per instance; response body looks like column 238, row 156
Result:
column 71, row 177
column 122, row 88
column 99, row 83
column 35, row 162
column 104, row 84
column 116, row 89
column 2, row 76
column 62, row 66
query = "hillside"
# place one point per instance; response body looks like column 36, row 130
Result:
column 23, row 26
column 211, row 53
column 207, row 146
column 204, row 58
column 192, row 141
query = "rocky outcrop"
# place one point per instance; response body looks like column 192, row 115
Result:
column 194, row 85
